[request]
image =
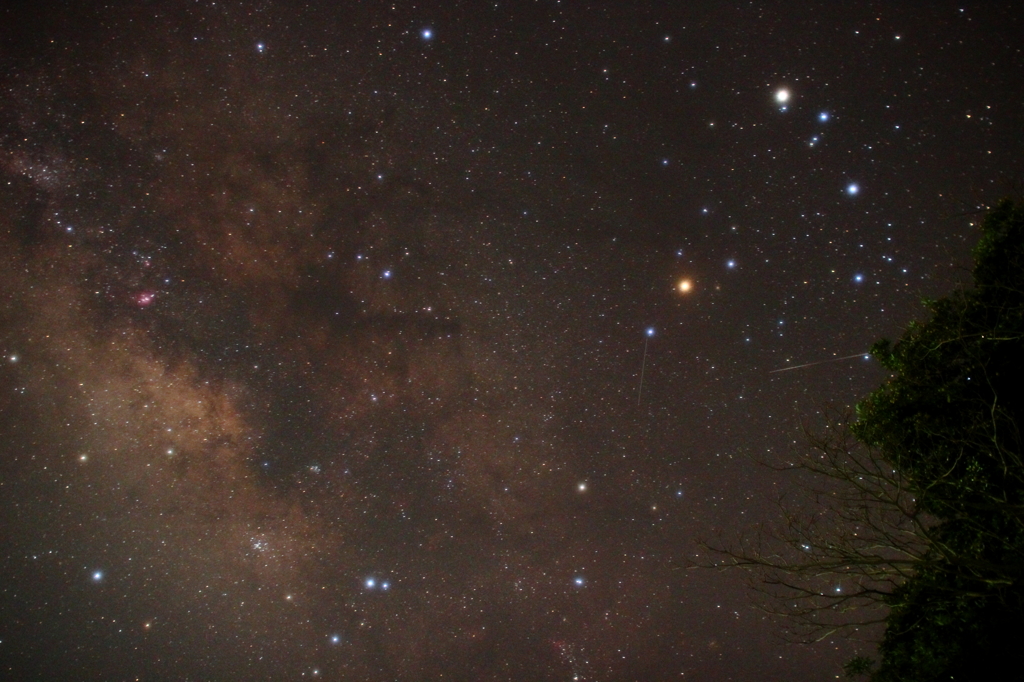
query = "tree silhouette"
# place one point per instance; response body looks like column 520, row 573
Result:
column 916, row 502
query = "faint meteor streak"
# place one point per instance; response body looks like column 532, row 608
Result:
column 820, row 362
column 643, row 365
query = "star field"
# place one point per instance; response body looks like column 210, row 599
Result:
column 368, row 341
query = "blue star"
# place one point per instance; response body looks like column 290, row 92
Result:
column 427, row 34
column 852, row 188
column 650, row 331
column 823, row 116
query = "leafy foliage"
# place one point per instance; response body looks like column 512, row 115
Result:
column 948, row 421
column 916, row 503
column 857, row 666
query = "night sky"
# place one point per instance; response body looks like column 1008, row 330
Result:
column 322, row 326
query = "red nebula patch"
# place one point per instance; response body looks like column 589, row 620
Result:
column 144, row 299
